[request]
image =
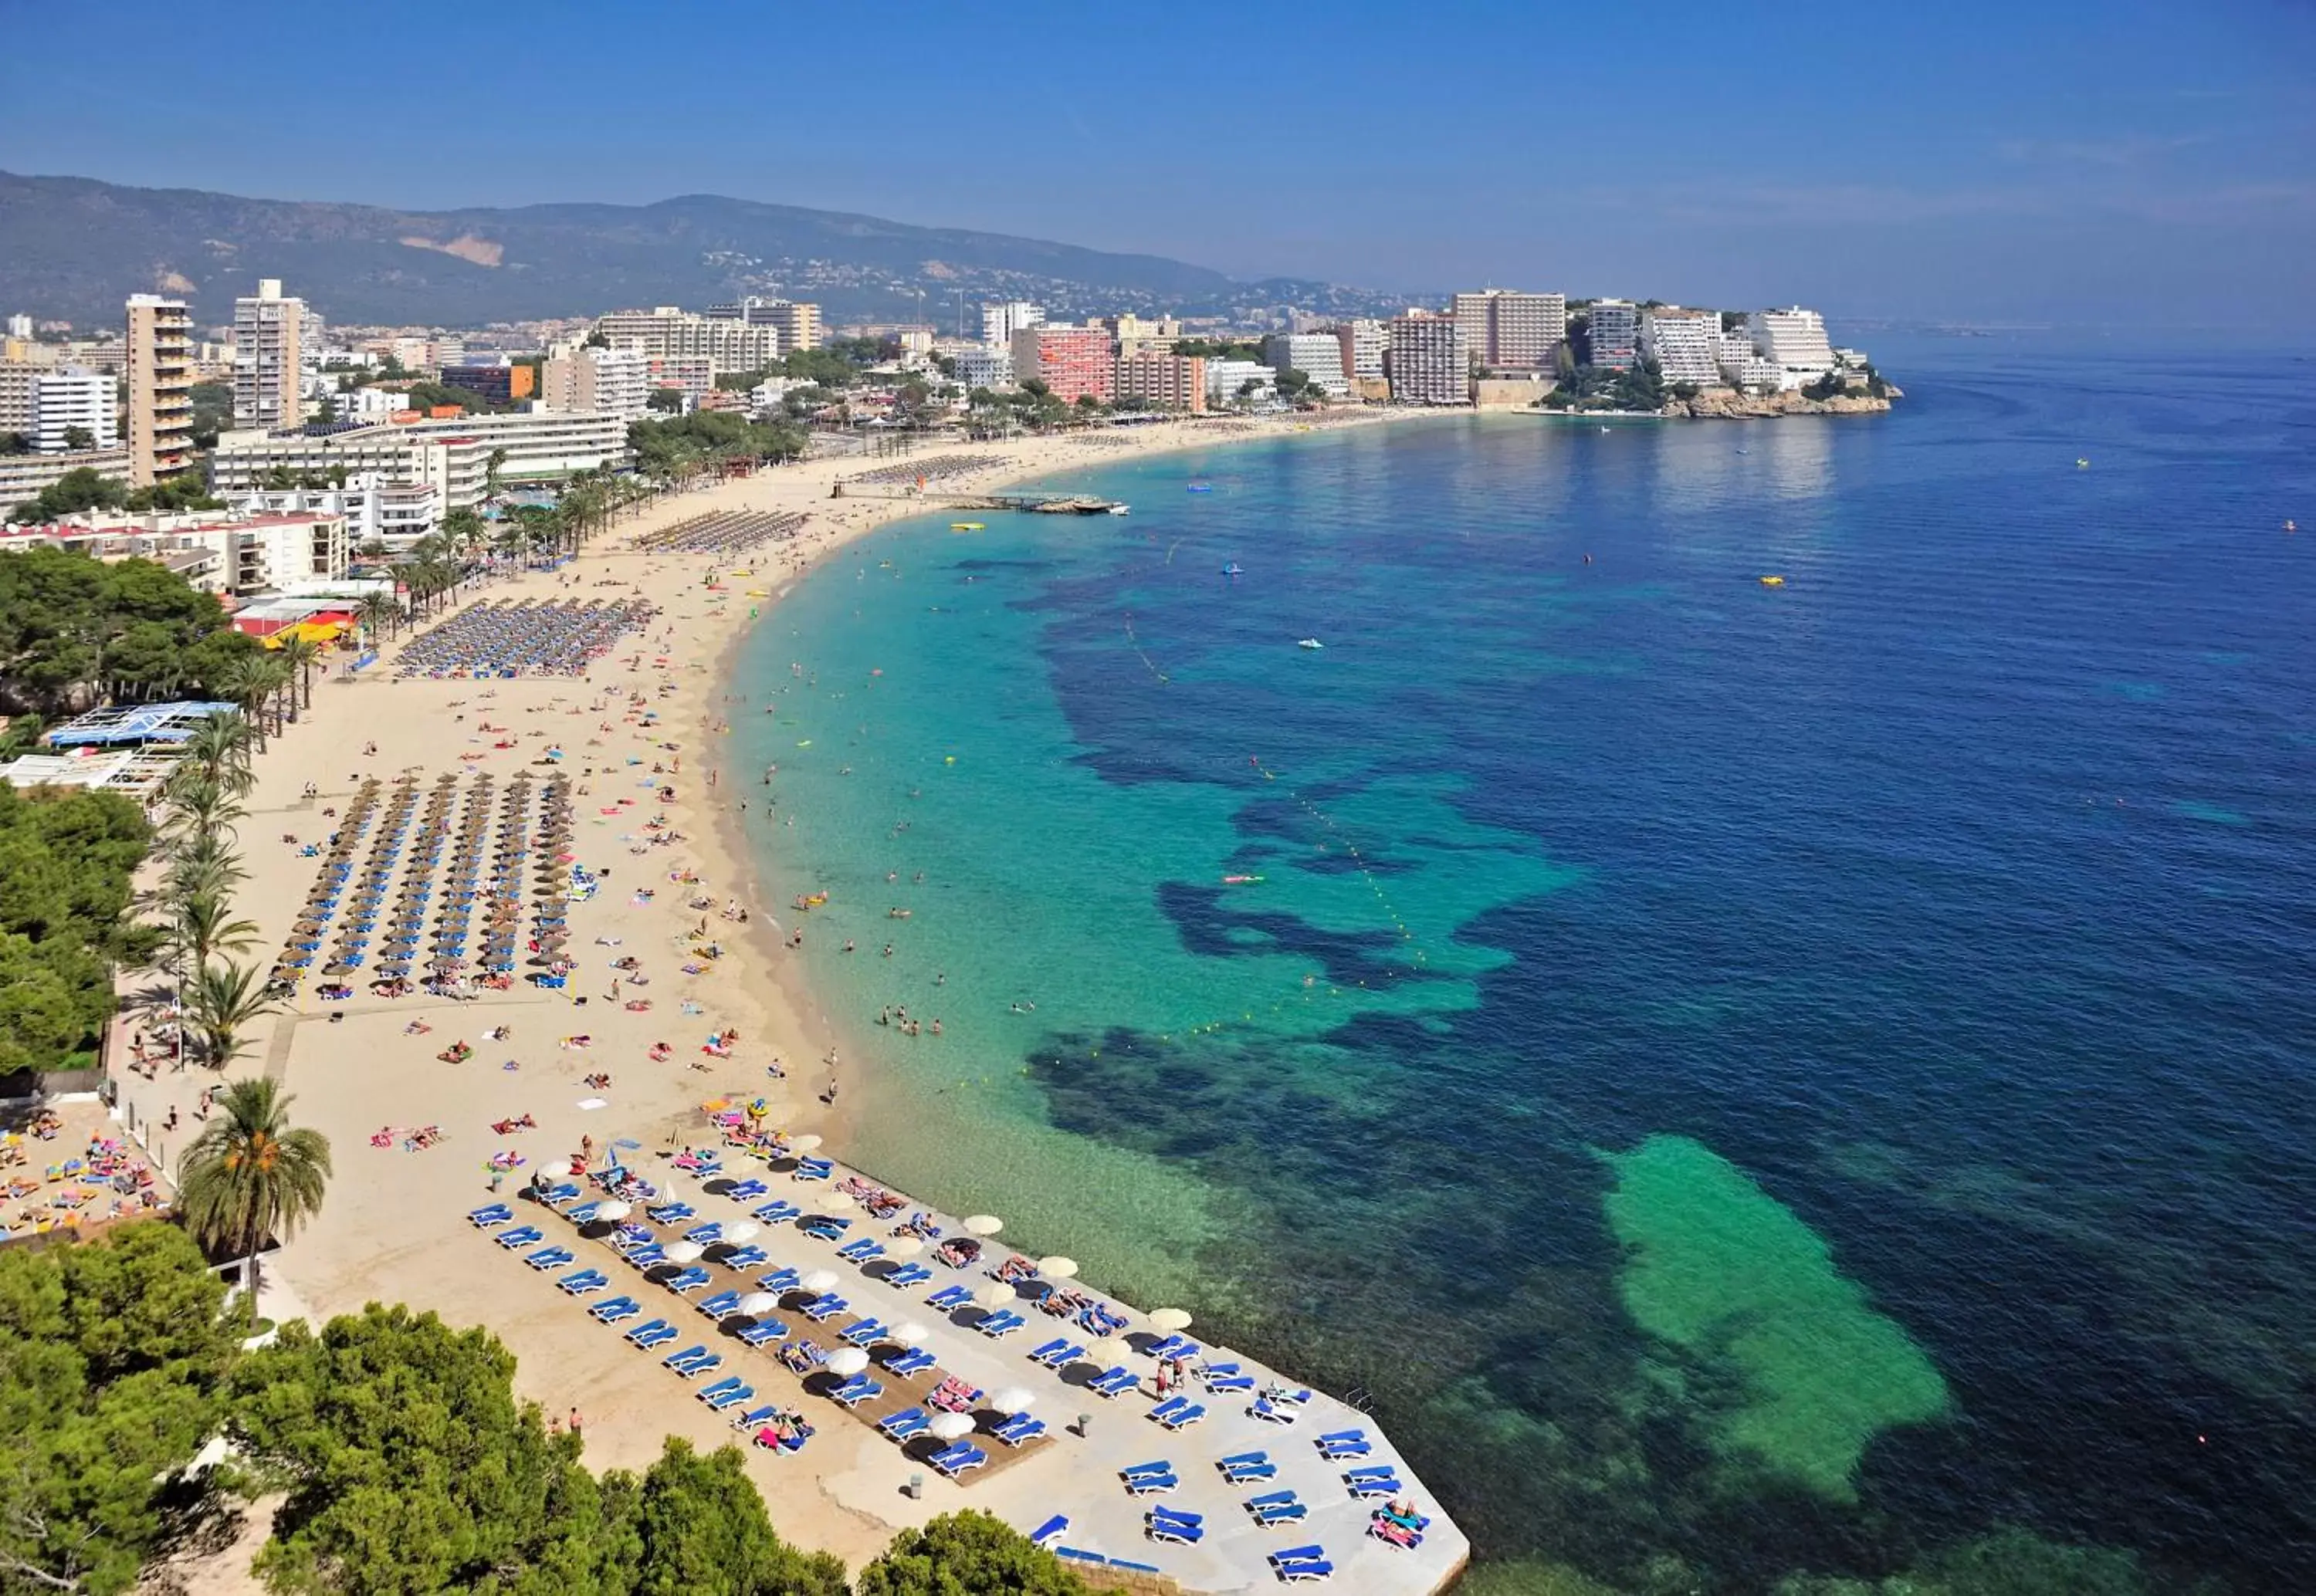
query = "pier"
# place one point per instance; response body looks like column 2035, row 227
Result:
column 1032, row 503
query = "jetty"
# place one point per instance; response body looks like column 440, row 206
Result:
column 925, row 1355
column 1033, row 504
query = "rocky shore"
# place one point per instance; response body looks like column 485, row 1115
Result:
column 1725, row 404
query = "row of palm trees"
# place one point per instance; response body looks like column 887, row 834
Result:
column 249, row 1177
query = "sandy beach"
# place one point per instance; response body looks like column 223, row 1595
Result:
column 368, row 1071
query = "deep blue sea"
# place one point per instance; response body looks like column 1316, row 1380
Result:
column 1764, row 1086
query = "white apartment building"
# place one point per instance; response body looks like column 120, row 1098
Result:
column 270, row 337
column 16, row 378
column 1793, row 342
column 999, row 322
column 1428, row 360
column 796, row 322
column 1741, row 366
column 368, row 405
column 70, row 399
column 1616, row 333
column 985, row 369
column 397, row 514
column 611, row 382
column 1317, row 354
column 1512, row 330
column 453, row 455
column 692, row 376
column 26, row 476
column 1225, row 378
column 728, row 344
column 19, row 325
column 1684, row 343
column 1362, row 344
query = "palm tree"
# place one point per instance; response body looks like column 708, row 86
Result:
column 199, row 807
column 218, row 751
column 280, row 679
column 225, row 998
column 202, row 922
column 377, row 610
column 249, row 1178
column 299, row 654
column 249, row 682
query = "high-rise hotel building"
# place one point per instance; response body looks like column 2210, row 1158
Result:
column 160, row 376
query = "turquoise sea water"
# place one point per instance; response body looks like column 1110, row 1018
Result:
column 1762, row 1084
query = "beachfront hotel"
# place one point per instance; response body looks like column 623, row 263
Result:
column 1510, row 330
column 160, row 388
column 1316, row 355
column 453, row 453
column 1793, row 342
column 1428, row 360
column 1177, row 382
column 1684, row 343
column 1614, row 334
column 1072, row 361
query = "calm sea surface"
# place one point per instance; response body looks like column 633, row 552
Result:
column 1755, row 1082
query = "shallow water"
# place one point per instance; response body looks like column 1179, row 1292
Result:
column 1753, row 1080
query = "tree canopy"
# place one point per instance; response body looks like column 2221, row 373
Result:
column 66, row 860
column 73, row 629
column 679, row 444
column 967, row 1554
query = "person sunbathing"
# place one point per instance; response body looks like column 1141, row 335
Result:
column 600, row 1083
column 661, row 1053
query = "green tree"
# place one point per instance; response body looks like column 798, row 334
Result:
column 249, row 1177
column 111, row 1358
column 224, row 999
column 695, row 1527
column 665, row 400
column 967, row 1554
column 79, row 438
column 66, row 864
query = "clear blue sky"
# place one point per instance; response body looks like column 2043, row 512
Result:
column 2036, row 159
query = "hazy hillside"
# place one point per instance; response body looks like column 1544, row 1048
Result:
column 75, row 247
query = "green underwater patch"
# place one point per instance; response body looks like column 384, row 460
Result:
column 1724, row 1272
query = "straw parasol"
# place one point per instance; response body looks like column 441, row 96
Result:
column 996, row 1294
column 847, row 1361
column 983, row 1225
column 1013, row 1400
column 1057, row 1267
column 804, row 1144
column 952, row 1426
column 1171, row 1318
column 834, row 1202
column 904, row 1247
column 1107, row 1349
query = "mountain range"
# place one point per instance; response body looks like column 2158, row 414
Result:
column 75, row 247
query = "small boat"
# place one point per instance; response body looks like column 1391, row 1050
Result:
column 965, row 526
column 1119, row 510
column 1202, row 487
column 1240, row 881
column 2292, row 525
column 1773, row 581
column 1235, row 569
column 1603, row 429
column 1310, row 642
column 2082, row 464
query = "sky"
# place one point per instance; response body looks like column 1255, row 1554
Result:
column 2037, row 161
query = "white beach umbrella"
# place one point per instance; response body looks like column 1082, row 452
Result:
column 1171, row 1318
column 952, row 1426
column 759, row 1302
column 685, row 1252
column 614, row 1210
column 1057, row 1268
column 819, row 1279
column 1013, row 1400
column 803, row 1144
column 1109, row 1349
column 908, row 1333
column 745, row 1230
column 904, row 1247
column 847, row 1361
column 834, row 1202
column 996, row 1294
column 983, row 1225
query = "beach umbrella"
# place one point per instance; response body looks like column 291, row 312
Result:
column 1171, row 1318
column 1013, row 1400
column 983, row 1225
column 904, row 1247
column 996, row 1294
column 908, row 1333
column 685, row 1252
column 805, row 1143
column 834, row 1202
column 1109, row 1349
column 819, row 1279
column 1057, row 1267
column 743, row 1230
column 759, row 1302
column 951, row 1426
column 847, row 1361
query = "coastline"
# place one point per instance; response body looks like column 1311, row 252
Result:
column 393, row 1228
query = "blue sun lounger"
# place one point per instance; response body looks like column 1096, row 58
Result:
column 746, row 1258
column 690, row 1280
column 1276, row 1507
column 721, row 1304
column 757, row 1416
column 1171, row 1348
column 653, row 1336
column 907, row 1275
column 648, row 1257
column 814, row 1169
column 1050, row 1531
column 778, row 1212
column 648, row 1327
column 914, row 1362
column 823, row 1308
column 1379, row 1482
column 584, row 1214
column 857, row 1389
column 519, row 1236
column 867, row 1333
column 746, row 1190
column 1004, row 1322
column 1221, row 1383
column 780, row 1280
column 1302, row 1563
column 730, row 1382
column 554, row 1196
column 695, row 1360
column 959, row 1459
column 1151, row 1485
column 549, row 1257
column 1183, row 1417
column 706, row 1235
column 763, row 1332
column 733, row 1397
column 1241, row 1468
column 1019, row 1430
column 617, row 1309
column 1274, row 1413
column 1114, row 1383
column 861, row 1251
column 949, row 1299
column 823, row 1227
column 1338, row 1444
column 1183, row 1528
column 906, row 1424
column 670, row 1213
column 497, row 1213
column 585, row 1281
column 1055, row 1352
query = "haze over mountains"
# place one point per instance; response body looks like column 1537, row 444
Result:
column 75, row 247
